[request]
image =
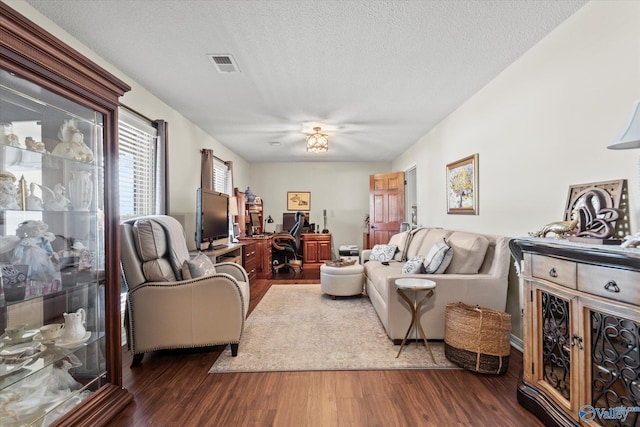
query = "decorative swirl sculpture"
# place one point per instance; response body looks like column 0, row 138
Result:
column 595, row 220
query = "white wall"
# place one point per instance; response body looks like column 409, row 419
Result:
column 539, row 127
column 186, row 139
column 340, row 188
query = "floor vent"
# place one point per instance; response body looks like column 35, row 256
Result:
column 224, row 63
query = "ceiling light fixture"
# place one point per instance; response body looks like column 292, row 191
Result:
column 317, row 142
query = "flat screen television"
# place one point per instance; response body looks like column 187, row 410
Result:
column 212, row 219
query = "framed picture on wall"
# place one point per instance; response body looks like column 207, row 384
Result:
column 298, row 200
column 462, row 186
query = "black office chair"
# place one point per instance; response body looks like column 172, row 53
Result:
column 287, row 245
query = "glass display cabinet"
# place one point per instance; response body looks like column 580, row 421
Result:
column 60, row 353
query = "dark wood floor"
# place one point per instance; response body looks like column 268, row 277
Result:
column 173, row 388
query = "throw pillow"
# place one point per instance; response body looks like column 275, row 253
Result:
column 438, row 258
column 201, row 266
column 414, row 265
column 382, row 253
column 186, row 273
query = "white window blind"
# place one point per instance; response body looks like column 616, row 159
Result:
column 221, row 177
column 137, row 144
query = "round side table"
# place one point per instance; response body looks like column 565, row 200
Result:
column 416, row 285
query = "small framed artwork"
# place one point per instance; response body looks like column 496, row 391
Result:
column 298, row 201
column 462, row 186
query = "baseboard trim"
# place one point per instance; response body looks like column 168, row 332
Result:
column 517, row 342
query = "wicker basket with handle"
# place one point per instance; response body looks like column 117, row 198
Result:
column 477, row 338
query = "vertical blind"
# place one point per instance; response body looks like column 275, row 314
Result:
column 137, row 142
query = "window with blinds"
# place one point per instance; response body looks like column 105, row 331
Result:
column 221, row 177
column 137, row 144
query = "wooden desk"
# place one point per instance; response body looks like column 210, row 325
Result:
column 316, row 249
column 262, row 255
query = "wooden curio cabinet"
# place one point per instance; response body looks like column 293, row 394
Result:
column 581, row 360
column 58, row 232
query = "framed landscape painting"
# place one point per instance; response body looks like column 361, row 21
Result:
column 298, row 201
column 462, row 186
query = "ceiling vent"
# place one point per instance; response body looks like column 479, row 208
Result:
column 224, row 63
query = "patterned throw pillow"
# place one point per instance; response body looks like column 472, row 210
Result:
column 438, row 258
column 382, row 252
column 201, row 266
column 414, row 265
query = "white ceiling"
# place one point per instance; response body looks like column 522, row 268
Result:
column 375, row 75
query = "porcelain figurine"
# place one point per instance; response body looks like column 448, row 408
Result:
column 72, row 144
column 35, row 250
column 8, row 191
column 56, row 199
column 7, row 136
column 34, row 145
column 34, row 203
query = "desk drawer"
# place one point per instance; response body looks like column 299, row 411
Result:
column 554, row 270
column 250, row 261
column 616, row 284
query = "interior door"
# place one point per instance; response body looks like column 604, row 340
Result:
column 386, row 206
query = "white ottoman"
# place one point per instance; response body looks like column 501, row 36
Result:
column 341, row 281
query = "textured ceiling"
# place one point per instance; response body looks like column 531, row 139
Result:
column 375, row 75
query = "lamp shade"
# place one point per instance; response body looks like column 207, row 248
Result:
column 630, row 135
column 233, row 206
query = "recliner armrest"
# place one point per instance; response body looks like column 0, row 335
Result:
column 232, row 269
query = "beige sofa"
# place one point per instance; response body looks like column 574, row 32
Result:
column 476, row 275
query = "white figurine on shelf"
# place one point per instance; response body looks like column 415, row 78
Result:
column 34, row 203
column 35, row 250
column 7, row 136
column 8, row 191
column 72, row 145
column 56, row 199
column 34, row 145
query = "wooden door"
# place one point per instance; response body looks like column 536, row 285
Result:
column 386, row 206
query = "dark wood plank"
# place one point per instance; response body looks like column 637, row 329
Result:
column 174, row 388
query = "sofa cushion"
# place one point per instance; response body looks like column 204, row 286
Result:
column 401, row 240
column 470, row 250
column 151, row 246
column 415, row 239
column 438, row 258
column 382, row 252
column 200, row 266
column 414, row 265
column 434, row 236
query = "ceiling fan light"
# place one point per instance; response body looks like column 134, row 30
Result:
column 317, row 142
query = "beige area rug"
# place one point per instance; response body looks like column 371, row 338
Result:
column 298, row 328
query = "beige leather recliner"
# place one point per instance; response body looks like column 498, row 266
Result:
column 163, row 310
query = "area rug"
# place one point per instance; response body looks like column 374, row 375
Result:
column 298, row 328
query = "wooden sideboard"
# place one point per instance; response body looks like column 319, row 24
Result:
column 316, row 249
column 581, row 331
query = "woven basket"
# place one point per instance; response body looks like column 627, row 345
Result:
column 477, row 338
